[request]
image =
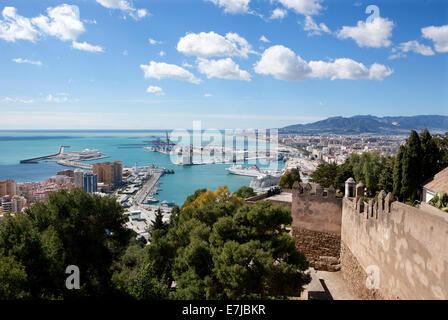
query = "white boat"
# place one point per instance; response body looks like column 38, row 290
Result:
column 240, row 170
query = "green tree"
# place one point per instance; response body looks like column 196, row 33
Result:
column 158, row 223
column 245, row 192
column 288, row 178
column 432, row 156
column 412, row 167
column 398, row 172
column 71, row 228
column 12, row 279
column 325, row 174
column 386, row 177
column 222, row 249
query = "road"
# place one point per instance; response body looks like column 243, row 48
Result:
column 147, row 188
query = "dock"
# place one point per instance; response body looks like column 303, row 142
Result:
column 147, row 188
column 52, row 156
column 75, row 164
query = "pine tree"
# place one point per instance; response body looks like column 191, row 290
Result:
column 431, row 155
column 397, row 172
column 158, row 223
column 412, row 168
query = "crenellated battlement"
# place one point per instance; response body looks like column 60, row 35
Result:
column 406, row 246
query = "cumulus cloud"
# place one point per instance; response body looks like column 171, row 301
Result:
column 162, row 53
column 222, row 69
column 411, row 46
column 161, row 70
column 124, row 5
column 348, row 69
column 284, row 64
column 62, row 22
column 264, row 39
column 439, row 35
column 232, row 6
column 373, row 34
column 84, row 46
column 155, row 90
column 313, row 28
column 20, row 60
column 16, row 27
column 305, row 7
column 212, row 44
column 278, row 13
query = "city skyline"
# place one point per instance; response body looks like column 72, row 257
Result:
column 110, row 64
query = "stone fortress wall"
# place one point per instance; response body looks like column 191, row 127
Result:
column 316, row 224
column 386, row 249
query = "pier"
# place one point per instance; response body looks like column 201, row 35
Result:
column 147, row 188
column 74, row 164
column 53, row 156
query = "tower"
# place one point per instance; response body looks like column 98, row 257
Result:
column 350, row 188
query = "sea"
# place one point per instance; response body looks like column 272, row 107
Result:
column 20, row 145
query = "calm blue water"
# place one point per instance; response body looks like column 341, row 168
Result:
column 19, row 145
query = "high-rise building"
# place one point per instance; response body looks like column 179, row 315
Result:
column 110, row 173
column 79, row 179
column 8, row 187
column 90, row 182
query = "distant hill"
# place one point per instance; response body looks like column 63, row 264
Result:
column 371, row 124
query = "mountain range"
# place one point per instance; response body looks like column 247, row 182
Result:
column 371, row 124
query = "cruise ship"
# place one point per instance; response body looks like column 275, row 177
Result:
column 253, row 171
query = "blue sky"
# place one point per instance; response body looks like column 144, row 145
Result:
column 86, row 64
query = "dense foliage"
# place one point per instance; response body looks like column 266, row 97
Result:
column 71, row 228
column 288, row 178
column 214, row 247
column 219, row 248
column 440, row 201
column 416, row 161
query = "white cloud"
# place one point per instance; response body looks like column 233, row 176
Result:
column 232, row 6
column 278, row 13
column 313, row 28
column 348, row 69
column 17, row 100
column 155, row 90
column 373, row 34
column 162, row 53
column 208, row 95
column 15, row 27
column 284, row 64
column 84, row 46
column 222, row 69
column 57, row 98
column 305, row 7
column 124, row 5
column 212, row 44
column 264, row 39
column 413, row 46
column 439, row 35
column 141, row 13
column 161, row 70
column 186, row 65
column 153, row 42
column 20, row 60
column 62, row 22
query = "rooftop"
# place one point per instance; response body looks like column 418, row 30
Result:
column 439, row 183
